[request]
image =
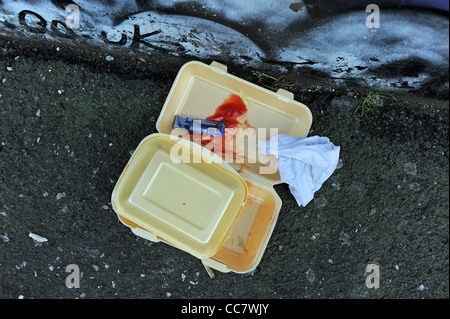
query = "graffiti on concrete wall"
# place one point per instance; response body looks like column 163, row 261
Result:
column 330, row 37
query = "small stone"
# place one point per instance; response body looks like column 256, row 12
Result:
column 109, row 58
column 5, row 238
column 37, row 238
column 60, row 195
column 414, row 186
column 22, row 265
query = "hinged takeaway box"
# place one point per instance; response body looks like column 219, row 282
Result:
column 221, row 210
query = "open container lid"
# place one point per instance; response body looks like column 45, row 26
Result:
column 200, row 88
column 190, row 205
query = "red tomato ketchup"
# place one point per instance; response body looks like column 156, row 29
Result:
column 229, row 111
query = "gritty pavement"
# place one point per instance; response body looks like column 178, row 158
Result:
column 71, row 118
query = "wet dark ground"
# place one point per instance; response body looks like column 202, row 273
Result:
column 69, row 120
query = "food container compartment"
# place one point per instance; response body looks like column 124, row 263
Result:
column 244, row 247
column 199, row 88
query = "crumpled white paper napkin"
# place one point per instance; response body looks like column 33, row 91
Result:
column 304, row 163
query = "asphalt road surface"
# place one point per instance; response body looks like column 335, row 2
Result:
column 71, row 118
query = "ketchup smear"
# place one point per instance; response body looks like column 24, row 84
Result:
column 229, row 111
column 232, row 108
